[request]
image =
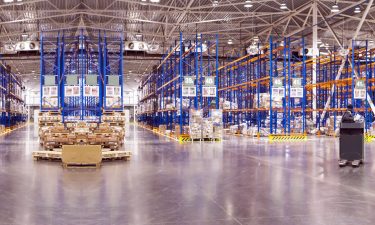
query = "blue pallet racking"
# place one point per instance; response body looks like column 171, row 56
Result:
column 12, row 104
column 246, row 86
column 3, row 94
column 336, row 84
column 185, row 79
column 87, row 72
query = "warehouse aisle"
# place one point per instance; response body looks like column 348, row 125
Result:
column 237, row 181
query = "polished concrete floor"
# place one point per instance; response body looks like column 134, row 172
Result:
column 237, row 181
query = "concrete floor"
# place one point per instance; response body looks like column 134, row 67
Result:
column 237, row 181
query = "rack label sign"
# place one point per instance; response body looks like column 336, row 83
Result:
column 189, row 80
column 277, row 82
column 72, row 91
column 360, row 89
column 189, row 91
column 360, row 84
column 50, row 91
column 209, row 81
column 296, row 92
column 92, row 91
column 209, row 91
column 359, row 93
column 296, row 82
column 278, row 92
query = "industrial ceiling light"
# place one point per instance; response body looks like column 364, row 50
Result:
column 283, row 6
column 215, row 3
column 335, row 8
column 230, row 42
column 155, row 1
column 24, row 35
column 143, row 2
column 248, row 4
column 357, row 10
column 138, row 34
column 7, row 1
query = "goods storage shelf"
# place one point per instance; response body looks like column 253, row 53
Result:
column 251, row 106
column 13, row 111
column 82, row 76
column 186, row 78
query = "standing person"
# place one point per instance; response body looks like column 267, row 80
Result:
column 348, row 116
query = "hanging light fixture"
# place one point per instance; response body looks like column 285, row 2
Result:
column 248, row 4
column 24, row 35
column 138, row 34
column 155, row 1
column 215, row 3
column 357, row 10
column 230, row 42
column 283, row 6
column 335, row 8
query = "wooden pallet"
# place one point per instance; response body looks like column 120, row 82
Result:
column 73, row 165
column 46, row 155
column 206, row 139
column 106, row 155
column 116, row 155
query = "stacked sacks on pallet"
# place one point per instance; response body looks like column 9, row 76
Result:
column 185, row 130
column 371, row 130
column 195, row 124
column 297, row 125
column 264, row 101
column 207, row 128
column 227, row 105
column 330, row 126
column 233, row 129
column 217, row 122
column 162, row 128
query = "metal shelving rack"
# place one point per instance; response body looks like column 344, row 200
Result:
column 3, row 94
column 12, row 104
column 247, row 86
column 191, row 61
column 336, row 84
column 87, row 72
column 147, row 100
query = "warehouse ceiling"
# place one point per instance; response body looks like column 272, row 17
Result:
column 160, row 22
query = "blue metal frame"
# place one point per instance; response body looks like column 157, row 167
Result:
column 81, row 56
column 184, row 58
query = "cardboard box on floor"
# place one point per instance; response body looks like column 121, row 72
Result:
column 81, row 154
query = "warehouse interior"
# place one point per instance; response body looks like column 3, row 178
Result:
column 172, row 112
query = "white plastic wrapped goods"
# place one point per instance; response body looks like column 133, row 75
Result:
column 185, row 103
column 233, row 129
column 264, row 101
column 229, row 105
column 207, row 129
column 195, row 130
column 195, row 123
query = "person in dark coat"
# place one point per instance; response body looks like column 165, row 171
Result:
column 348, row 116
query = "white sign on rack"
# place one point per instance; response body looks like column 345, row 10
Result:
column 72, row 91
column 189, row 91
column 296, row 92
column 92, row 91
column 209, row 91
column 359, row 93
column 278, row 92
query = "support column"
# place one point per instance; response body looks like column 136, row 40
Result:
column 315, row 54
